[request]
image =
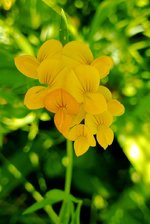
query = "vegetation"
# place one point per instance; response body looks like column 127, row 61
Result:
column 108, row 186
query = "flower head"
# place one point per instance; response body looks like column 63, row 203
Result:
column 64, row 106
column 99, row 125
column 113, row 105
column 85, row 85
column 77, row 53
column 69, row 86
column 82, row 138
column 28, row 64
column 48, row 74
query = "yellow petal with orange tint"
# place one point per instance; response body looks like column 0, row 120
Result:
column 74, row 133
column 95, row 103
column 91, row 139
column 81, row 146
column 34, row 98
column 50, row 49
column 77, row 119
column 81, row 130
column 88, row 77
column 115, row 107
column 94, row 121
column 91, row 123
column 76, row 53
column 60, row 98
column 62, row 121
column 104, row 136
column 27, row 65
column 77, row 131
column 68, row 80
column 105, row 92
column 81, row 80
column 105, row 118
column 48, row 71
column 103, row 65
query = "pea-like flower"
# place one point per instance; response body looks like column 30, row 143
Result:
column 48, row 74
column 28, row 64
column 113, row 105
column 83, row 83
column 77, row 53
column 73, row 54
column 64, row 106
column 100, row 125
column 82, row 137
column 69, row 86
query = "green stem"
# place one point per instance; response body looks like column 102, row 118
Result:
column 53, row 216
column 35, row 194
column 69, row 167
column 68, row 178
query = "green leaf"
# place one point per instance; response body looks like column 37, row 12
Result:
column 53, row 6
column 52, row 197
column 76, row 216
column 74, row 199
column 63, row 31
column 36, row 206
column 55, row 195
column 102, row 13
column 66, row 212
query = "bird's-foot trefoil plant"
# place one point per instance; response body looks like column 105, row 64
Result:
column 70, row 88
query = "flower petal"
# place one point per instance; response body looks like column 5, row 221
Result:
column 115, row 107
column 76, row 53
column 91, row 123
column 35, row 96
column 63, row 121
column 48, row 71
column 79, row 116
column 81, row 130
column 71, row 84
column 60, row 98
column 105, row 118
column 105, row 136
column 80, row 80
column 73, row 133
column 91, row 139
column 77, row 131
column 50, row 49
column 81, row 146
column 103, row 65
column 27, row 65
column 88, row 77
column 94, row 103
column 105, row 92
column 94, row 121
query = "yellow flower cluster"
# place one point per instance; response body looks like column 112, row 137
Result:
column 69, row 78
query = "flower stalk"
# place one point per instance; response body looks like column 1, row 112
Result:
column 69, row 166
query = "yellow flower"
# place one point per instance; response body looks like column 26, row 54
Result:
column 99, row 125
column 83, row 84
column 83, row 139
column 73, row 54
column 64, row 106
column 48, row 74
column 28, row 64
column 113, row 105
column 69, row 86
column 77, row 53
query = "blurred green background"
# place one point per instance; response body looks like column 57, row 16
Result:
column 113, row 184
